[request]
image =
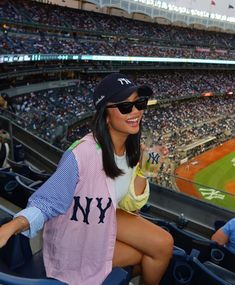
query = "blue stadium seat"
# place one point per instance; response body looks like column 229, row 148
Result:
column 16, row 188
column 221, row 272
column 19, row 167
column 209, row 250
column 28, row 171
column 38, row 174
column 188, row 270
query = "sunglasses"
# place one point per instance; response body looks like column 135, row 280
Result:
column 126, row 107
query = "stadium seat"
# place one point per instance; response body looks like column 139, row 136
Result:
column 28, row 170
column 209, row 250
column 15, row 188
column 23, row 268
column 5, row 215
column 38, row 174
column 28, row 183
column 188, row 270
column 19, row 167
column 220, row 271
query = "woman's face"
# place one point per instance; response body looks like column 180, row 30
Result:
column 122, row 125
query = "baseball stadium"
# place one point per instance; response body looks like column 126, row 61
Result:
column 177, row 54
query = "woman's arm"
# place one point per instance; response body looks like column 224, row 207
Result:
column 138, row 193
column 15, row 226
column 139, row 183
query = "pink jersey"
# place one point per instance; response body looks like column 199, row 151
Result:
column 78, row 246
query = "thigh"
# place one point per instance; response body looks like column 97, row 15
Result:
column 141, row 234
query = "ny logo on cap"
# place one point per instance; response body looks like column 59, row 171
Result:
column 124, row 81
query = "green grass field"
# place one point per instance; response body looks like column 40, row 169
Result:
column 210, row 180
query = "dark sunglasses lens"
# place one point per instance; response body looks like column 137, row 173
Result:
column 125, row 107
column 141, row 104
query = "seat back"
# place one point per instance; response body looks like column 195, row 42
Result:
column 16, row 252
column 188, row 240
column 28, row 171
column 118, row 276
column 227, row 275
column 187, row 269
column 13, row 190
column 227, row 258
column 8, row 279
column 38, row 175
column 202, row 275
column 19, row 167
column 209, row 250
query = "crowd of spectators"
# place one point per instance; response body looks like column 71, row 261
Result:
column 172, row 84
column 34, row 44
column 178, row 122
column 49, row 112
column 64, row 33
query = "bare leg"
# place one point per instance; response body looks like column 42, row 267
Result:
column 147, row 244
column 125, row 255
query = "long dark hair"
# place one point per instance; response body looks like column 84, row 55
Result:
column 102, row 136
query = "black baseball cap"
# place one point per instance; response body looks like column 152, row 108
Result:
column 117, row 87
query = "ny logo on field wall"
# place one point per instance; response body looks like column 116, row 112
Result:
column 211, row 194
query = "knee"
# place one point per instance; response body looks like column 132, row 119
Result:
column 168, row 243
column 164, row 244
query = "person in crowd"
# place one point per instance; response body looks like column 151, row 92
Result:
column 3, row 102
column 226, row 235
column 8, row 103
column 89, row 206
column 4, row 149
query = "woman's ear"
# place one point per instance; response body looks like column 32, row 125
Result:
column 107, row 118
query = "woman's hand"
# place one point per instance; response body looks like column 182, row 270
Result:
column 5, row 234
column 151, row 159
column 15, row 226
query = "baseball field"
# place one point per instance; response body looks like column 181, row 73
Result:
column 210, row 176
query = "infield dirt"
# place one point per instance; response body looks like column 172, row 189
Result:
column 189, row 169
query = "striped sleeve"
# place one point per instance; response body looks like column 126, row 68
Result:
column 55, row 196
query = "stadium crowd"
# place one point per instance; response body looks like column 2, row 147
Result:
column 176, row 122
column 61, row 30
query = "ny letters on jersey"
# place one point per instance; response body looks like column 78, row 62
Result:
column 85, row 209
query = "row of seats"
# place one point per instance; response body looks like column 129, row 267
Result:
column 17, row 188
column 19, row 181
column 189, row 270
column 28, row 170
column 202, row 256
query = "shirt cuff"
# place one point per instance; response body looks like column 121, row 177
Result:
column 35, row 218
